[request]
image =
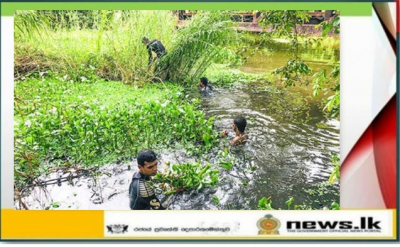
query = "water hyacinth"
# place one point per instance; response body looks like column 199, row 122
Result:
column 82, row 129
column 183, row 177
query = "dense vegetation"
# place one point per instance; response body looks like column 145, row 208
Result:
column 113, row 48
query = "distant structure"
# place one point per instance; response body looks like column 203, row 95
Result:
column 248, row 21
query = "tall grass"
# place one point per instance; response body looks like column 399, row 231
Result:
column 110, row 43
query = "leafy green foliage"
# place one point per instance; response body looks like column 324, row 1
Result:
column 285, row 23
column 222, row 76
column 335, row 206
column 328, row 26
column 215, row 200
column 335, row 175
column 292, row 71
column 97, row 122
column 183, row 177
column 265, row 203
column 227, row 160
column 329, row 84
column 289, row 202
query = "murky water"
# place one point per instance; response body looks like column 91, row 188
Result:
column 289, row 147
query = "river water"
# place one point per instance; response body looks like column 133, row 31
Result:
column 290, row 138
column 289, row 147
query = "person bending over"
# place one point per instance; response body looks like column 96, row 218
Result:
column 154, row 46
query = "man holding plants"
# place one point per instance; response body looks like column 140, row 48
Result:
column 141, row 192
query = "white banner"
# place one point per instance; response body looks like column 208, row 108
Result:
column 343, row 224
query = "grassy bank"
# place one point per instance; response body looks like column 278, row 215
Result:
column 61, row 122
column 109, row 43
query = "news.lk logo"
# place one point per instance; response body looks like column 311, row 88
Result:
column 366, row 224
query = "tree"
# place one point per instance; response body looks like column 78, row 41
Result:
column 286, row 23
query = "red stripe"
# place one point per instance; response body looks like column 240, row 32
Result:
column 397, row 16
column 381, row 136
column 384, row 144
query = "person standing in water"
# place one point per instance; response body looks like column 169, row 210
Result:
column 205, row 86
column 141, row 191
column 239, row 126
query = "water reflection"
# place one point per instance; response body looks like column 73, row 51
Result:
column 276, row 55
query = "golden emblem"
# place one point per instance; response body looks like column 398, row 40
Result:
column 268, row 225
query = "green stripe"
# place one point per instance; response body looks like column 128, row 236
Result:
column 346, row 9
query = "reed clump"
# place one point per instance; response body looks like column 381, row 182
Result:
column 197, row 45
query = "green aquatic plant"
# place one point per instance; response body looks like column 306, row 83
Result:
column 335, row 206
column 265, row 203
column 223, row 76
column 335, row 174
column 184, row 177
column 96, row 122
column 227, row 160
column 215, row 200
column 289, row 202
